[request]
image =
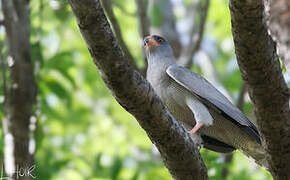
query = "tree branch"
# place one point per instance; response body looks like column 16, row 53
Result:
column 279, row 24
column 187, row 53
column 228, row 158
column 136, row 95
column 260, row 69
column 144, row 26
column 163, row 23
column 3, row 70
column 143, row 21
column 21, row 94
column 241, row 98
column 107, row 5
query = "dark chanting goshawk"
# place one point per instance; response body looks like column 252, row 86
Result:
column 211, row 118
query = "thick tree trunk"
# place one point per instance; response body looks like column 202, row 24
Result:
column 21, row 94
column 260, row 68
column 136, row 95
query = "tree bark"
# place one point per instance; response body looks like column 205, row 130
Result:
column 135, row 94
column 107, row 4
column 279, row 24
column 260, row 68
column 21, row 94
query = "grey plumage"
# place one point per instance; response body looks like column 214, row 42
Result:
column 210, row 96
column 192, row 100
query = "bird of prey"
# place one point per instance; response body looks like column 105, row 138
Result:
column 199, row 106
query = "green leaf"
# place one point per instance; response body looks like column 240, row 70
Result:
column 62, row 62
column 56, row 87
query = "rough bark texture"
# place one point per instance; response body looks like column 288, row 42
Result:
column 260, row 68
column 279, row 24
column 21, row 94
column 136, row 95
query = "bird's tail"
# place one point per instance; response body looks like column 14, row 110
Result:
column 256, row 152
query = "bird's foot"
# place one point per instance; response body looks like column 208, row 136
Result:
column 197, row 126
column 197, row 140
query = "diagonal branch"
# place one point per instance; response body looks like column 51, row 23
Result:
column 187, row 53
column 260, row 69
column 136, row 95
column 107, row 5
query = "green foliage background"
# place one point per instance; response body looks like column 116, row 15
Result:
column 82, row 132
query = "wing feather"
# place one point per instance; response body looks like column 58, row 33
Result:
column 210, row 96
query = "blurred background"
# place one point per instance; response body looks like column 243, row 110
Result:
column 80, row 131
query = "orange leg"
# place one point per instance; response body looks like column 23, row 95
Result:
column 195, row 128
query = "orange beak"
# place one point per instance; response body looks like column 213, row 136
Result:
column 149, row 41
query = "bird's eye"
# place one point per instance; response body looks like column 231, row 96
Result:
column 160, row 40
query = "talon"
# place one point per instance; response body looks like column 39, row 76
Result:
column 197, row 140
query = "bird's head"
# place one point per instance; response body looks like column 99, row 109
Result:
column 157, row 46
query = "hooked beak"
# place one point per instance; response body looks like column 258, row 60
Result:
column 150, row 41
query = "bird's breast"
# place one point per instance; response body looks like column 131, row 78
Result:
column 173, row 95
column 175, row 99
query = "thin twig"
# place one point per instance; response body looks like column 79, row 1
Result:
column 228, row 159
column 241, row 98
column 3, row 70
column 144, row 26
column 187, row 53
column 39, row 34
column 164, row 23
column 192, row 12
column 107, row 5
column 143, row 21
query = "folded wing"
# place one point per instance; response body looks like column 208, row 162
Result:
column 212, row 98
